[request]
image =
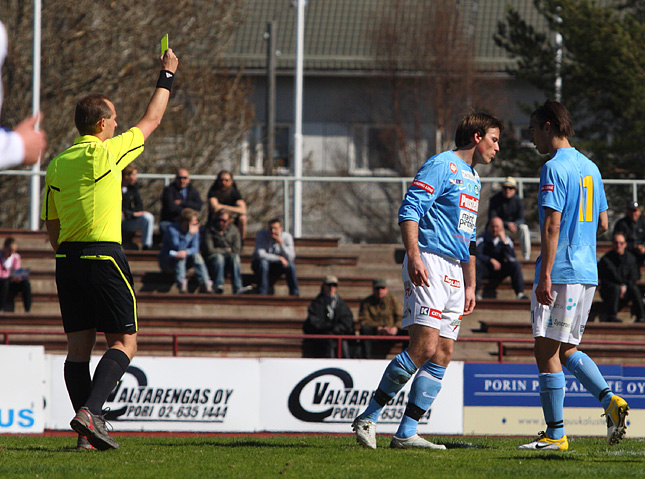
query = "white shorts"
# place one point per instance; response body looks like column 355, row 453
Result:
column 440, row 305
column 566, row 318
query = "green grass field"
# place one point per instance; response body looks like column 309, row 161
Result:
column 312, row 457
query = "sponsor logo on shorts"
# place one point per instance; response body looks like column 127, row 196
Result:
column 408, row 289
column 435, row 313
column 468, row 175
column 563, row 324
column 456, row 181
column 467, row 221
column 423, row 186
column 453, row 167
column 455, row 323
column 455, row 283
column 548, row 188
column 471, row 203
column 424, row 311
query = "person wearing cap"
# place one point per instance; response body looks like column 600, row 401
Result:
column 274, row 255
column 379, row 314
column 327, row 314
column 508, row 206
column 632, row 226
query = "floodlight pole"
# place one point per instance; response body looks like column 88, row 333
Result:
column 34, row 213
column 558, row 60
column 297, row 136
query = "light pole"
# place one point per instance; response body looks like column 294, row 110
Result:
column 297, row 135
column 34, row 209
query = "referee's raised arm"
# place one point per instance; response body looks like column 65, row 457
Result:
column 157, row 106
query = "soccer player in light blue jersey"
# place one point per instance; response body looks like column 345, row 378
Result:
column 573, row 209
column 437, row 220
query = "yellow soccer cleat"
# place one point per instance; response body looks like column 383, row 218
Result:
column 545, row 443
column 616, row 413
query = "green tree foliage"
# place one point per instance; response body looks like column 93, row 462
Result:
column 603, row 73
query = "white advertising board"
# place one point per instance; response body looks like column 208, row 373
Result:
column 251, row 395
column 23, row 389
column 173, row 394
column 325, row 395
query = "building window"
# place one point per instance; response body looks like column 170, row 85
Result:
column 376, row 149
column 254, row 161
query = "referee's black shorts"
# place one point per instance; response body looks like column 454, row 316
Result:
column 95, row 288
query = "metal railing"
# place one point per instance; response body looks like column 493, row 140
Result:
column 176, row 336
column 287, row 181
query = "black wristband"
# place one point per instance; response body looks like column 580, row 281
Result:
column 165, row 79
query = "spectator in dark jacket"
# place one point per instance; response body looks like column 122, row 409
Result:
column 223, row 194
column 176, row 196
column 618, row 272
column 134, row 218
column 222, row 246
column 632, row 226
column 506, row 204
column 496, row 259
column 327, row 314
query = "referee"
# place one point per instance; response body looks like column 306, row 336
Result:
column 82, row 213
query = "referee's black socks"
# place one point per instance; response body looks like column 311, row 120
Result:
column 78, row 382
column 109, row 371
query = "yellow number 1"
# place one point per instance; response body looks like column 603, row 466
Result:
column 586, row 211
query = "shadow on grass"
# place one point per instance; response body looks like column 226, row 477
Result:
column 464, row 445
column 549, row 456
column 235, row 444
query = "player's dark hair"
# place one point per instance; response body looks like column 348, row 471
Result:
column 475, row 123
column 89, row 111
column 557, row 115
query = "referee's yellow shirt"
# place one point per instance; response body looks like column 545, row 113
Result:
column 83, row 187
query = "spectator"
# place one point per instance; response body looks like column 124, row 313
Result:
column 222, row 246
column 274, row 255
column 632, row 226
column 379, row 314
column 25, row 143
column 134, row 218
column 618, row 272
column 176, row 196
column 223, row 194
column 180, row 251
column 327, row 314
column 13, row 279
column 507, row 205
column 496, row 259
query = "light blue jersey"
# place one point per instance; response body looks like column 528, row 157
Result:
column 443, row 199
column 571, row 184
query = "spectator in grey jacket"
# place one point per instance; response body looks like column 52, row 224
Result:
column 274, row 255
column 221, row 248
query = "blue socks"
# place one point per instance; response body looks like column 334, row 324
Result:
column 552, row 399
column 586, row 371
column 396, row 375
column 425, row 388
